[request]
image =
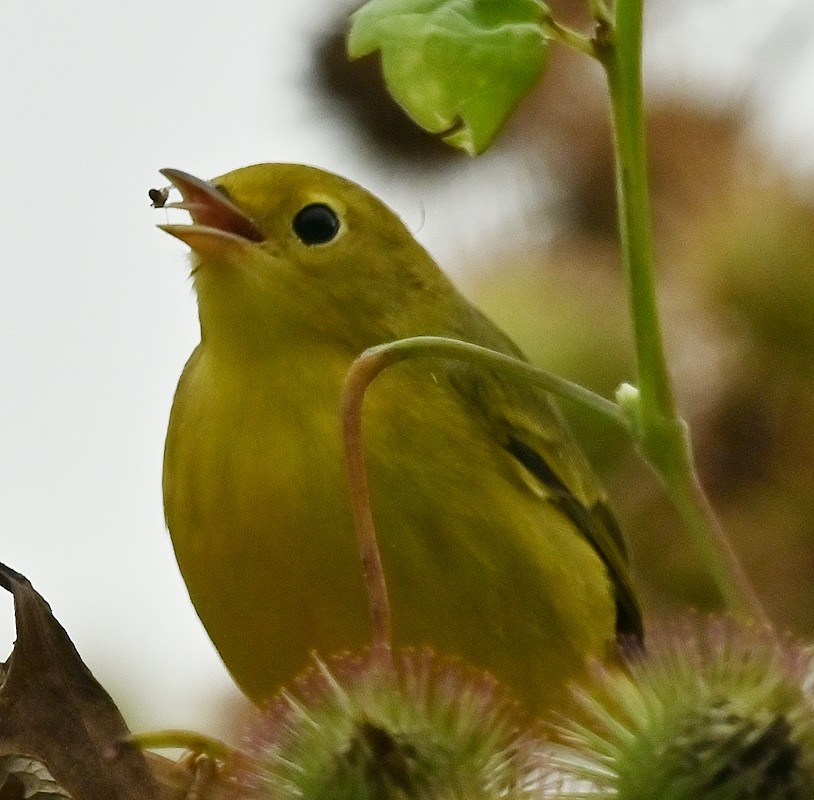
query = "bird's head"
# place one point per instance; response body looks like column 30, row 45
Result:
column 287, row 252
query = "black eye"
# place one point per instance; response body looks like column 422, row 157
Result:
column 316, row 224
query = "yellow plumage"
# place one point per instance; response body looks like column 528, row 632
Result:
column 496, row 542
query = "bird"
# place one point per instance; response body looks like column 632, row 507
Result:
column 497, row 541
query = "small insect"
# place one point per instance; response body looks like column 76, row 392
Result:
column 159, row 196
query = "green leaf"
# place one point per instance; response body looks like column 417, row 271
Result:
column 457, row 67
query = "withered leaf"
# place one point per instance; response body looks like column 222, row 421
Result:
column 53, row 710
column 25, row 778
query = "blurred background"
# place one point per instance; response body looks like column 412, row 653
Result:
column 97, row 315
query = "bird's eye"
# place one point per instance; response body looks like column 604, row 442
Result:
column 316, row 224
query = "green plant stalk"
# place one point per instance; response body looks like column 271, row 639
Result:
column 599, row 11
column 570, row 38
column 688, row 496
column 622, row 61
column 515, row 368
column 658, row 430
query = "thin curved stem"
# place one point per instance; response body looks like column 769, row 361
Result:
column 442, row 347
column 567, row 36
column 361, row 374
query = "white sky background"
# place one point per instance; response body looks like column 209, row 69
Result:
column 96, row 311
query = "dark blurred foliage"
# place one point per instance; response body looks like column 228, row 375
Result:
column 735, row 249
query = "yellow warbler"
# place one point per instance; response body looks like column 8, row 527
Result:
column 496, row 541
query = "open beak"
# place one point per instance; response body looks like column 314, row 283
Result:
column 216, row 220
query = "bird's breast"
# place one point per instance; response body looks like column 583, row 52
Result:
column 255, row 501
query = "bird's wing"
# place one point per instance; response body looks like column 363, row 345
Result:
column 531, row 430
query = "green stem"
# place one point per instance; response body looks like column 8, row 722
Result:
column 567, row 36
column 689, row 498
column 513, row 368
column 600, row 12
column 659, row 431
column 622, row 61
